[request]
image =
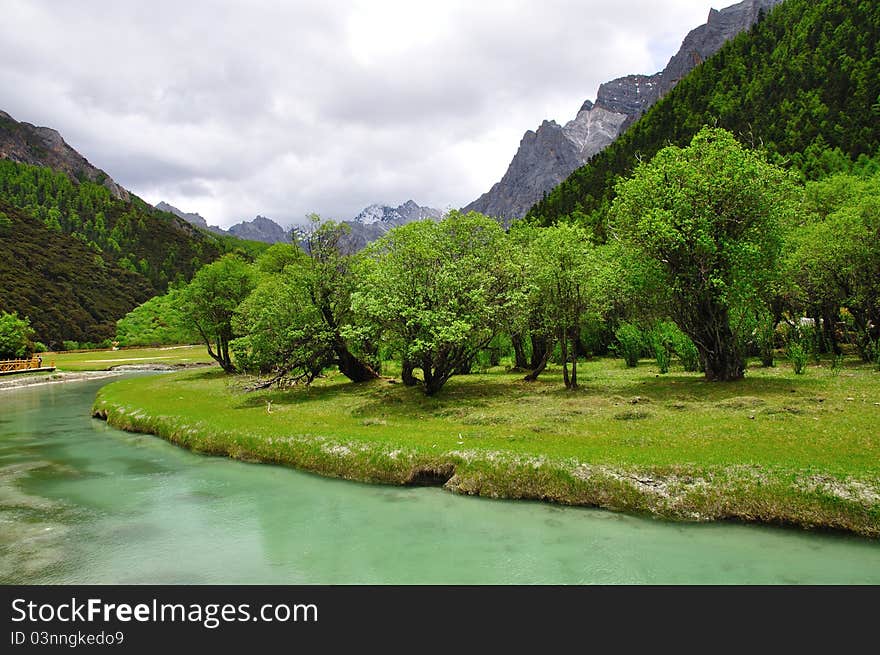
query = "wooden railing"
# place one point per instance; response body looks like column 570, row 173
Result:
column 9, row 365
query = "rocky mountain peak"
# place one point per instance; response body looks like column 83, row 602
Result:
column 549, row 155
column 375, row 220
column 195, row 219
column 43, row 146
column 260, row 229
column 404, row 213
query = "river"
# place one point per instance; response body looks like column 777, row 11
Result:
column 81, row 502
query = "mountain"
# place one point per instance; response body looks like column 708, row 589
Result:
column 84, row 251
column 803, row 84
column 194, row 219
column 405, row 213
column 375, row 220
column 260, row 229
column 43, row 146
column 549, row 155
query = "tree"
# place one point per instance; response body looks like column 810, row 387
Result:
column 440, row 290
column 284, row 332
column 712, row 215
column 210, row 300
column 833, row 260
column 328, row 276
column 15, row 336
column 560, row 266
column 298, row 321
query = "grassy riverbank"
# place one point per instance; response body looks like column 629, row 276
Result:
column 775, row 447
column 101, row 360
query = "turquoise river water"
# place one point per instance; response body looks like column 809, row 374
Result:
column 81, row 502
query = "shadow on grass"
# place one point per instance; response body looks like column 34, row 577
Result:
column 469, row 392
column 672, row 387
column 207, row 373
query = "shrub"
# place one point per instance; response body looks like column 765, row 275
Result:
column 662, row 339
column 630, row 343
column 798, row 355
column 70, row 345
column 40, row 347
column 15, row 336
column 765, row 339
column 687, row 352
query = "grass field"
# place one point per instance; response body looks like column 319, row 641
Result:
column 774, row 447
column 99, row 360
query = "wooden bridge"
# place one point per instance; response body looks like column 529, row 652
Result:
column 31, row 365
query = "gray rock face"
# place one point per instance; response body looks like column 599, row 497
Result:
column 260, row 229
column 43, row 146
column 705, row 40
column 546, row 157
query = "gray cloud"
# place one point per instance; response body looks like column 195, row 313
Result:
column 232, row 109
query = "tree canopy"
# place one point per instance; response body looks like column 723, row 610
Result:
column 438, row 291
column 209, row 302
column 713, row 216
column 15, row 336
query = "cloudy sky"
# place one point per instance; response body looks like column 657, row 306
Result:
column 233, row 109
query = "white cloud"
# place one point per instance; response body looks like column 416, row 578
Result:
column 233, row 109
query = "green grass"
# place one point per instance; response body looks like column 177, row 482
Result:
column 100, row 360
column 774, row 447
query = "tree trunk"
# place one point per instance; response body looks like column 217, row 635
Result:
column 541, row 351
column 406, row 373
column 575, row 345
column 721, row 357
column 564, row 344
column 531, row 377
column 350, row 366
column 828, row 315
column 520, row 363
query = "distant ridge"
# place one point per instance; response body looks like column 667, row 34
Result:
column 374, row 221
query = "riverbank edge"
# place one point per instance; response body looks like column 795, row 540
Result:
column 684, row 493
column 40, row 379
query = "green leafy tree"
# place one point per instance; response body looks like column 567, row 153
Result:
column 209, row 302
column 833, row 260
column 328, row 276
column 298, row 321
column 561, row 267
column 712, row 215
column 15, row 336
column 439, row 290
column 284, row 332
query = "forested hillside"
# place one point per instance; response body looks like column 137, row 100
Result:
column 803, row 84
column 76, row 259
column 69, row 291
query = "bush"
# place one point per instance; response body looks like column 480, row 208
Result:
column 798, row 355
column 662, row 340
column 40, row 347
column 70, row 345
column 630, row 343
column 15, row 336
column 687, row 352
column 765, row 339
